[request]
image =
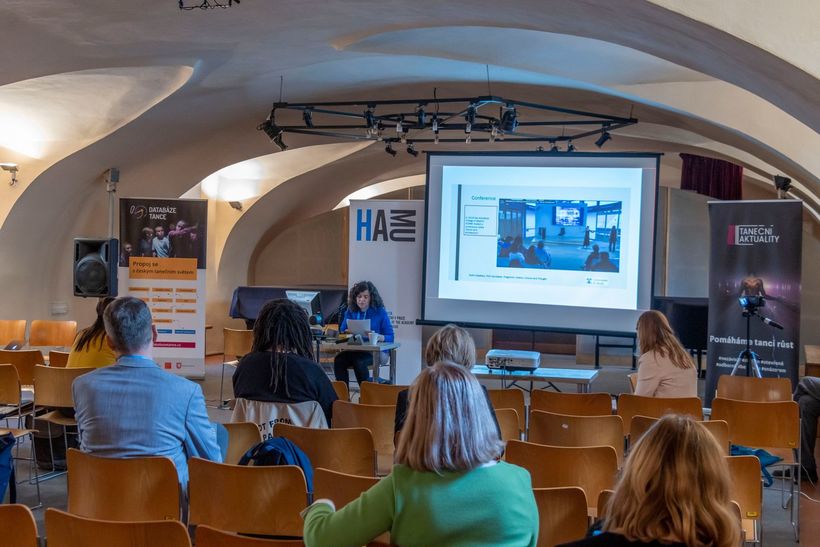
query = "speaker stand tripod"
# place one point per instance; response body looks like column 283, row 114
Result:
column 751, row 358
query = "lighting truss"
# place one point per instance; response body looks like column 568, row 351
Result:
column 207, row 4
column 485, row 118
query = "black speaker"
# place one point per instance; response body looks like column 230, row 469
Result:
column 95, row 267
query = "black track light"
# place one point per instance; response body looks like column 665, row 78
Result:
column 605, row 136
column 469, row 118
column 509, row 120
column 782, row 183
column 412, row 150
column 389, row 149
column 307, row 115
column 570, row 147
column 554, row 147
column 274, row 132
column 422, row 116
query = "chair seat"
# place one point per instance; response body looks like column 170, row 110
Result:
column 786, row 453
column 18, row 432
column 57, row 418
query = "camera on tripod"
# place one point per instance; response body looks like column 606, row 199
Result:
column 750, row 304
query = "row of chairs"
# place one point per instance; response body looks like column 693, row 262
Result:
column 42, row 332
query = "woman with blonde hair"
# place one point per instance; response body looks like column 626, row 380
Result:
column 665, row 369
column 674, row 490
column 447, row 487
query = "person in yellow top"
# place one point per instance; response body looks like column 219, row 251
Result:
column 90, row 348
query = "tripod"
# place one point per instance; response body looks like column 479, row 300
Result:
column 752, row 359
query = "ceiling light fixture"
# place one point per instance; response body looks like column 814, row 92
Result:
column 208, row 4
column 509, row 119
column 389, row 149
column 783, row 185
column 554, row 147
column 570, row 147
column 605, row 136
column 307, row 115
column 412, row 150
column 11, row 168
column 236, row 205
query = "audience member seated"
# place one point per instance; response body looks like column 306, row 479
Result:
column 90, row 348
column 808, row 397
column 665, row 369
column 674, row 490
column 134, row 408
column 447, row 487
column 450, row 343
column 280, row 367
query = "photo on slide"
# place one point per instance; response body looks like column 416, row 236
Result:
column 559, row 234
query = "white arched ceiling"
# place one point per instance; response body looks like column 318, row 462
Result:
column 381, row 188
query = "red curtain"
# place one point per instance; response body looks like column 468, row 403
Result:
column 712, row 177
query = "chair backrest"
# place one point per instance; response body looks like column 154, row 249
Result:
column 562, row 430
column 379, row 419
column 572, row 404
column 52, row 333
column 9, row 385
column 746, row 487
column 633, row 381
column 562, row 515
column 654, row 407
column 246, row 499
column 17, row 525
column 749, row 388
column 12, row 330
column 510, row 398
column 242, row 436
column 52, row 386
column 264, row 414
column 509, row 423
column 603, row 499
column 340, row 487
column 718, row 428
column 58, row 359
column 341, row 389
column 372, row 393
column 207, row 536
column 24, row 361
column 122, row 489
column 67, row 530
column 591, row 468
column 236, row 343
column 344, row 450
column 760, row 425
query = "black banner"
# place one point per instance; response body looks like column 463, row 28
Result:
column 754, row 271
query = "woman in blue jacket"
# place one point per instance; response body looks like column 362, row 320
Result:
column 363, row 302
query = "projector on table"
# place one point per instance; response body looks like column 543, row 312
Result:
column 511, row 359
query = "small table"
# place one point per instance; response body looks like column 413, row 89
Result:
column 582, row 378
column 373, row 349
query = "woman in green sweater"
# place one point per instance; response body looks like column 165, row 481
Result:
column 447, row 487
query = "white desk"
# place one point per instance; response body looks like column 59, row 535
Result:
column 582, row 378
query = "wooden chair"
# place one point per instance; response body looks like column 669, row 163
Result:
column 12, row 330
column 17, row 524
column 242, row 436
column 510, row 398
column 122, row 489
column 339, row 487
column 379, row 419
column 746, row 489
column 236, row 343
column 343, row 450
column 246, row 499
column 341, row 389
column 67, row 530
column 562, row 515
column 774, row 426
column 207, row 536
column 509, row 423
column 58, row 359
column 24, row 361
column 749, row 388
column 52, row 333
column 11, row 396
column 636, row 405
column 592, row 468
column 603, row 500
column 718, row 428
column 572, row 404
column 633, row 381
column 561, row 430
column 371, row 393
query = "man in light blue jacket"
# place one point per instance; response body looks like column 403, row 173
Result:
column 134, row 408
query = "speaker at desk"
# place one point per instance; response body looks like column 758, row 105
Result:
column 95, row 267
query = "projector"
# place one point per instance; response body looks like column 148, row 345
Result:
column 512, row 359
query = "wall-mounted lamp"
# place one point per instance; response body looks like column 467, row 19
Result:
column 11, row 168
column 236, row 205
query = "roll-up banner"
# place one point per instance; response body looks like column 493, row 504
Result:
column 754, row 270
column 386, row 248
column 162, row 261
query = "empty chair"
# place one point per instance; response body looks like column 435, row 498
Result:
column 242, row 436
column 371, row 393
column 11, row 397
column 344, row 450
column 67, row 530
column 591, row 468
column 341, row 389
column 562, row 515
column 58, row 359
column 24, row 361
column 379, row 419
column 509, row 423
column 341, row 488
column 122, row 489
column 246, row 499
column 749, row 388
column 17, row 525
column 603, row 500
column 52, row 333
column 561, row 430
column 236, row 343
column 633, row 381
column 12, row 330
column 207, row 536
column 636, row 405
column 572, row 404
column 718, row 428
column 510, row 398
column 746, row 489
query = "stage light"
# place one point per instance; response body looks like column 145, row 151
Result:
column 782, row 183
column 389, row 149
column 493, row 133
column 605, row 136
column 554, row 147
column 236, row 205
column 307, row 115
column 509, row 120
column 277, row 140
column 412, row 150
column 370, row 120
column 422, row 117
column 273, row 131
column 570, row 147
column 469, row 117
column 11, row 168
column 434, row 127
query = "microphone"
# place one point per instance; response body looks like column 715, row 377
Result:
column 771, row 323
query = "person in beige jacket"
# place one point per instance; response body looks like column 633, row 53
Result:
column 665, row 369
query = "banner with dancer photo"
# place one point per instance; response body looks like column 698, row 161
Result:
column 162, row 261
column 754, row 267
column 386, row 246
